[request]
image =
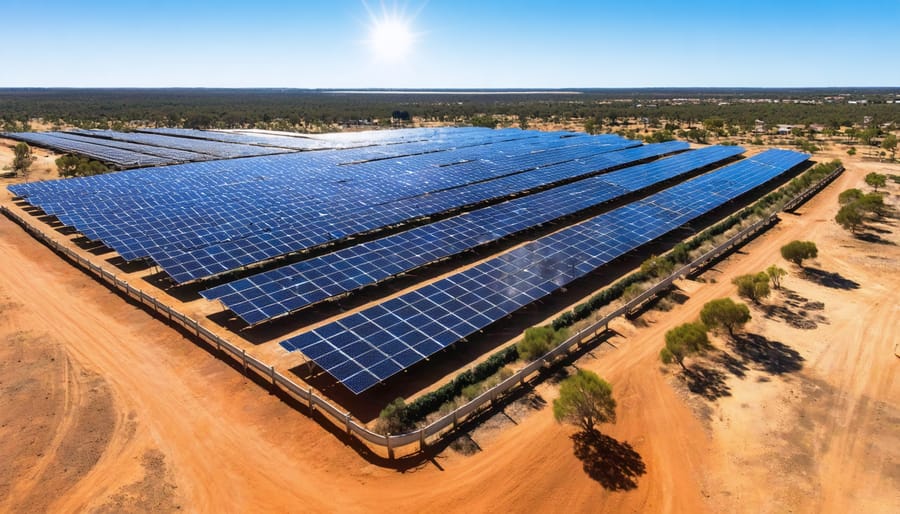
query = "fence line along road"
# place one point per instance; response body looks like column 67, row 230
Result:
column 421, row 436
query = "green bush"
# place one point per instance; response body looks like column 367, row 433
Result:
column 754, row 286
column 540, row 340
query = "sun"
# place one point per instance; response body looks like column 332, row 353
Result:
column 391, row 37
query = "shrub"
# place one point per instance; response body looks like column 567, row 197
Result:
column 798, row 251
column 754, row 286
column 657, row 266
column 539, row 340
column 393, row 418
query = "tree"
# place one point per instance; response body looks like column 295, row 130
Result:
column 775, row 275
column 754, row 287
column 876, row 180
column 726, row 314
column 539, row 340
column 798, row 251
column 74, row 166
column 585, row 399
column 890, row 144
column 593, row 125
column 849, row 217
column 849, row 196
column 684, row 340
column 22, row 159
column 872, row 202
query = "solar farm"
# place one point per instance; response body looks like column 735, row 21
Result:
column 312, row 234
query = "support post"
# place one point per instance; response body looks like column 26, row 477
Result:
column 422, row 444
column 387, row 442
column 272, row 372
column 347, row 420
column 244, row 359
column 312, row 406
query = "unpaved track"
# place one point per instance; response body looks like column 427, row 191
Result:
column 229, row 446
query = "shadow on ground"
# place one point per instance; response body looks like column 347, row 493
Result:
column 706, row 381
column 774, row 357
column 615, row 465
column 796, row 311
column 829, row 279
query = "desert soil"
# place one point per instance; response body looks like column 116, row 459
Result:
column 104, row 408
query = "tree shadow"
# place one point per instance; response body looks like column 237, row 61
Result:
column 870, row 237
column 829, row 279
column 774, row 357
column 796, row 311
column 734, row 366
column 615, row 465
column 706, row 382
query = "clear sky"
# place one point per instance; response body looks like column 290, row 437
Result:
column 449, row 43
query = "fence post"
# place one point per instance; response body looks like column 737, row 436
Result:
column 422, row 444
column 272, row 372
column 312, row 406
column 347, row 419
column 244, row 359
column 390, row 448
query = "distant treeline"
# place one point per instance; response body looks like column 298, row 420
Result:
column 232, row 108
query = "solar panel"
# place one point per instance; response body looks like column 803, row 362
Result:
column 116, row 156
column 370, row 346
column 289, row 288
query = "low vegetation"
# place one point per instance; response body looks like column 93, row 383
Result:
column 540, row 340
column 753, row 286
column 799, row 251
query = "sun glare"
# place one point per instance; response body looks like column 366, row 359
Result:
column 390, row 34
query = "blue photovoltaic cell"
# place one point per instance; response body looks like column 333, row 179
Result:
column 289, row 288
column 461, row 304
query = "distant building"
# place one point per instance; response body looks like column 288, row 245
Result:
column 785, row 129
column 759, row 127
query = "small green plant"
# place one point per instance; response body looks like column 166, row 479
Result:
column 753, row 286
column 775, row 275
column 539, row 340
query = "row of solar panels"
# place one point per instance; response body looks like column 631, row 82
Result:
column 158, row 147
column 212, row 217
column 370, row 346
column 290, row 288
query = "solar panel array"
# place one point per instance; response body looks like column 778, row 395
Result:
column 116, row 156
column 215, row 216
column 370, row 346
column 242, row 245
column 165, row 146
column 290, row 288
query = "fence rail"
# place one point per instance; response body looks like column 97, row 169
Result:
column 420, row 436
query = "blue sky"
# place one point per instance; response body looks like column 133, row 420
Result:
column 457, row 44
